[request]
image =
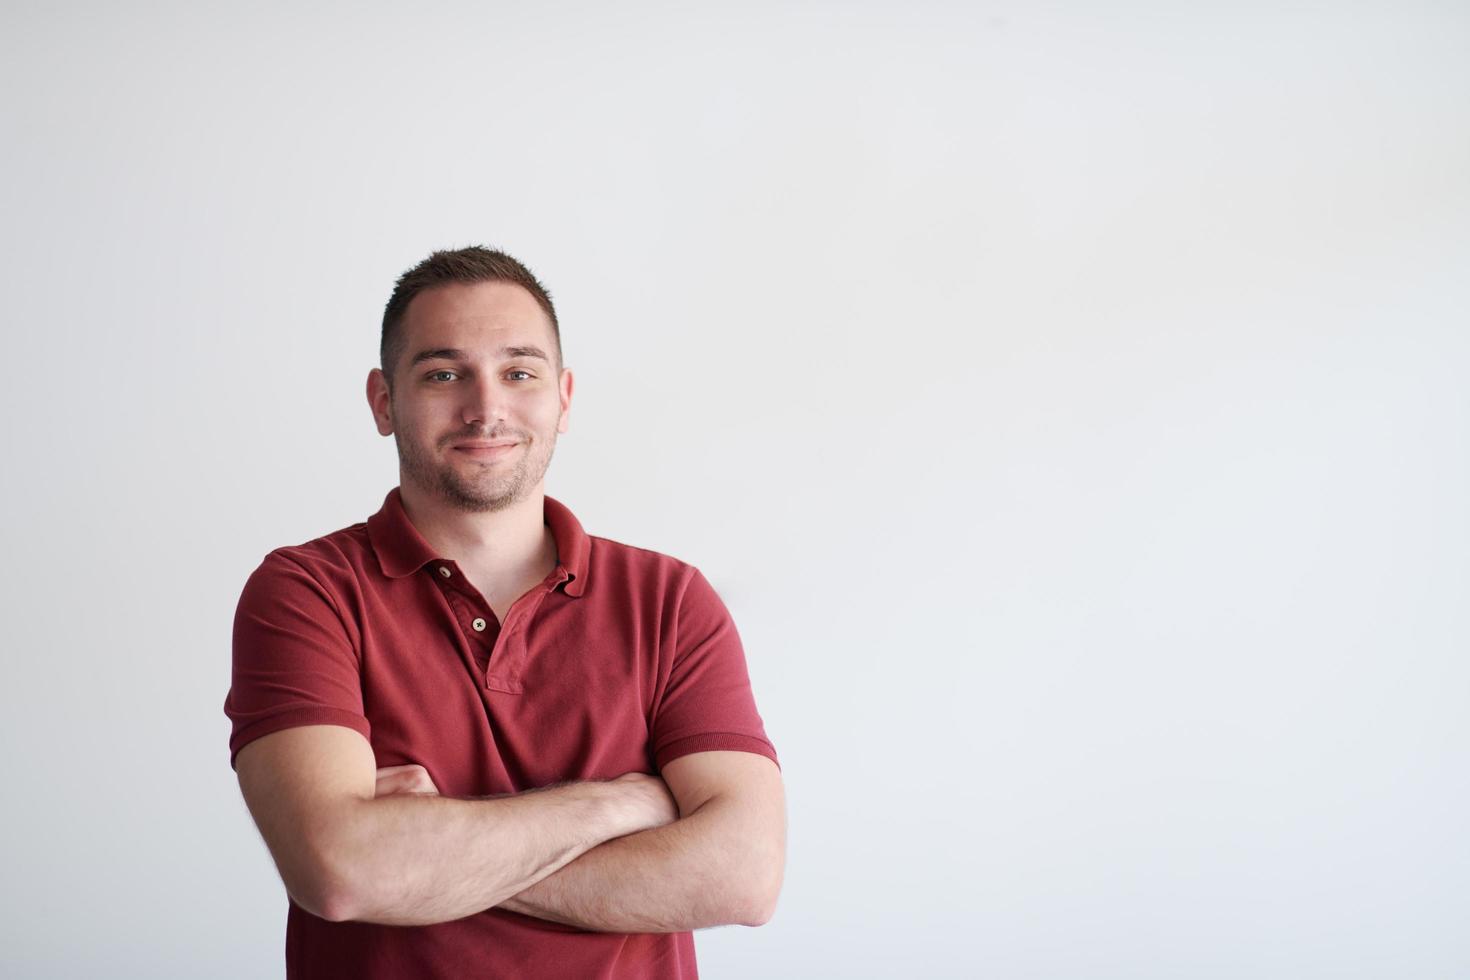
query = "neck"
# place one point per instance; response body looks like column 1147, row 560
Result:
column 495, row 545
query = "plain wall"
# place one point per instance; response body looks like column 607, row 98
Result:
column 1069, row 401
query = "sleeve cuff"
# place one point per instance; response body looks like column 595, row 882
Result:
column 296, row 718
column 714, row 742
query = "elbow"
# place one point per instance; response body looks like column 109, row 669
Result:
column 757, row 904
column 329, row 879
column 757, row 915
column 334, row 897
column 345, row 889
column 324, row 905
column 338, row 908
column 759, row 908
column 326, row 893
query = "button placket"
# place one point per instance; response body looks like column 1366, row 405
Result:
column 467, row 611
column 508, row 665
column 462, row 598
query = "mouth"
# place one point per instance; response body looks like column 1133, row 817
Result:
column 484, row 451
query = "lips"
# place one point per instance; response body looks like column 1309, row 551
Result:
column 485, row 451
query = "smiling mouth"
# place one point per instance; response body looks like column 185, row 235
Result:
column 485, row 451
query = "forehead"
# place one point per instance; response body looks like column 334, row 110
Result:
column 467, row 315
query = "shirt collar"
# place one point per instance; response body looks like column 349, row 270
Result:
column 402, row 550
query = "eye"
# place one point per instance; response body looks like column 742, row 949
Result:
column 434, row 375
column 514, row 371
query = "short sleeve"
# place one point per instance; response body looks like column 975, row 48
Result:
column 294, row 660
column 707, row 703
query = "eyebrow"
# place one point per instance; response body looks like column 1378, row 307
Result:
column 455, row 354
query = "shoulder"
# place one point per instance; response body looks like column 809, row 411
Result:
column 333, row 561
column 643, row 578
column 644, row 566
column 344, row 548
column 609, row 550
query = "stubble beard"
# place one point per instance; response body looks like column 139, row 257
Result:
column 480, row 492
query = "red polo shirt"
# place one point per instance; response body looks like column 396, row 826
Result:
column 621, row 660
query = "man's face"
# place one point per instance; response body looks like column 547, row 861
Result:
column 477, row 399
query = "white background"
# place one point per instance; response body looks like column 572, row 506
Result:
column 1069, row 401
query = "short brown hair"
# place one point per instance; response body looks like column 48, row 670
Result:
column 464, row 265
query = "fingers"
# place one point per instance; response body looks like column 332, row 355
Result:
column 655, row 804
column 405, row 779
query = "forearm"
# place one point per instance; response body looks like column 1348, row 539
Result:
column 418, row 860
column 716, row 866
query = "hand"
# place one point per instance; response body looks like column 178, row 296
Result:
column 405, row 779
column 652, row 803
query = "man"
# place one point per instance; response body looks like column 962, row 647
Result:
column 535, row 748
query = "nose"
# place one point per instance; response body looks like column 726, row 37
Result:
column 484, row 402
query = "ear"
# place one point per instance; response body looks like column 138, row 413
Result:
column 379, row 402
column 565, row 384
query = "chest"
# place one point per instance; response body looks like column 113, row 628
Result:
column 556, row 693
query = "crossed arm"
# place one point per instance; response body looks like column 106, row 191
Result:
column 720, row 863
column 704, row 846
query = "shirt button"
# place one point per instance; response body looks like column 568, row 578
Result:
column 444, row 570
column 478, row 624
